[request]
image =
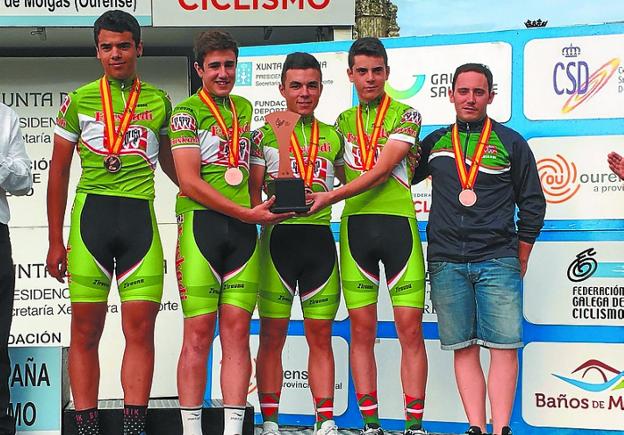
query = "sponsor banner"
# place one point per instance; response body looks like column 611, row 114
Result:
column 422, row 77
column 421, row 194
column 296, row 397
column 574, row 77
column 237, row 13
column 42, row 311
column 573, row 385
column 575, row 283
column 37, row 97
column 578, row 184
column 258, row 79
column 68, row 13
column 443, row 402
column 36, row 383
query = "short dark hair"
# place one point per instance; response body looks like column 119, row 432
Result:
column 368, row 46
column 475, row 67
column 117, row 21
column 300, row 60
column 213, row 40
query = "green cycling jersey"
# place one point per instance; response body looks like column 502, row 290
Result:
column 81, row 120
column 402, row 123
column 193, row 126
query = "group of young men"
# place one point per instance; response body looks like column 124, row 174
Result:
column 121, row 127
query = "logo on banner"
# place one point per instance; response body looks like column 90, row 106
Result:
column 559, row 179
column 583, row 266
column 608, row 378
column 244, row 75
column 406, row 94
column 572, row 76
column 601, row 298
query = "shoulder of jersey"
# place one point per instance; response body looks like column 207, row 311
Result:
column 93, row 86
column 403, row 107
column 262, row 133
column 188, row 104
column 328, row 127
column 238, row 100
column 150, row 87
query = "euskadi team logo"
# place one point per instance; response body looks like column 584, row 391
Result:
column 406, row 94
column 559, row 179
column 595, row 376
column 572, row 77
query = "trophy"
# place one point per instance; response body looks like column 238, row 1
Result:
column 289, row 191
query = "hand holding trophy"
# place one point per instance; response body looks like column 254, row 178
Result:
column 289, row 190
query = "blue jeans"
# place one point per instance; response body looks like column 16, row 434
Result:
column 478, row 303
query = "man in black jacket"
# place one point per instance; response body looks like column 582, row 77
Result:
column 477, row 254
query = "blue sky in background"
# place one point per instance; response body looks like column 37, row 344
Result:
column 426, row 17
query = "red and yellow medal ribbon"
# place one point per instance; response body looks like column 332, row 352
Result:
column 233, row 139
column 113, row 138
column 367, row 149
column 466, row 179
column 306, row 169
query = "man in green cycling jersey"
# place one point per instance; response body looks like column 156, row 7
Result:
column 379, row 224
column 217, row 257
column 300, row 253
column 117, row 124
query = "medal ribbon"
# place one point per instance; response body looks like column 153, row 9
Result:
column 306, row 170
column 113, row 140
column 234, row 145
column 467, row 180
column 367, row 149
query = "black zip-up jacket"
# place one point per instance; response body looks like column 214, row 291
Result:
column 507, row 177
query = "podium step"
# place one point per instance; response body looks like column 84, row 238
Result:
column 163, row 418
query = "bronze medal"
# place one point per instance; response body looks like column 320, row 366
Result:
column 467, row 197
column 233, row 176
column 112, row 163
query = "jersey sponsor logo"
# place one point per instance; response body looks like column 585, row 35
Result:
column 183, row 122
column 411, row 116
column 354, row 140
column 244, row 151
column 257, row 152
column 491, row 149
column 357, row 157
column 61, row 122
column 143, row 116
column 408, row 131
column 65, row 106
column 179, row 260
column 320, row 174
column 215, row 130
column 136, row 138
column 185, row 141
column 257, row 137
column 325, row 147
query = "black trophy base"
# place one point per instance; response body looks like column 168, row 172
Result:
column 289, row 195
